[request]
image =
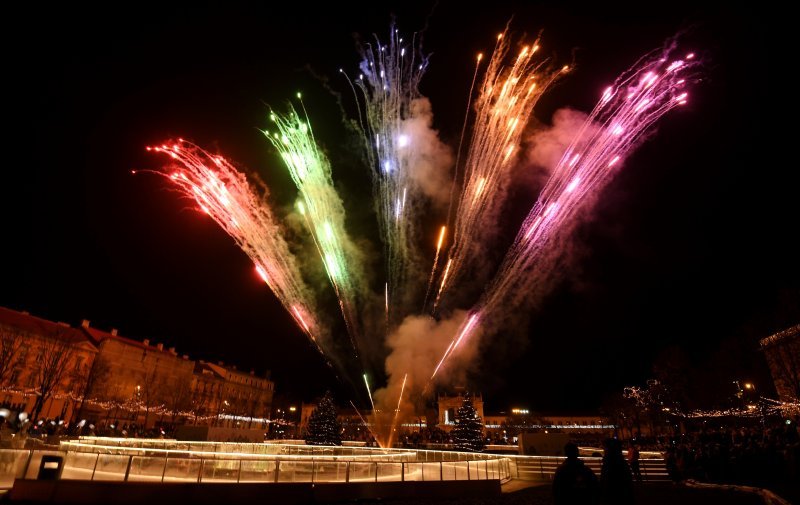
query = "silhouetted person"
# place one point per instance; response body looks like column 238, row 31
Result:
column 616, row 485
column 574, row 482
column 633, row 460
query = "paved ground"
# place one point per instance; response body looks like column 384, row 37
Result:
column 522, row 493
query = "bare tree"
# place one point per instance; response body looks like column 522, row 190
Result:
column 10, row 355
column 219, row 399
column 93, row 385
column 178, row 398
column 151, row 392
column 199, row 402
column 55, row 353
column 673, row 381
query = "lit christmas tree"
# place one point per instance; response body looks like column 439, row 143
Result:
column 468, row 431
column 323, row 428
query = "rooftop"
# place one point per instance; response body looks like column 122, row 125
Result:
column 788, row 333
column 27, row 323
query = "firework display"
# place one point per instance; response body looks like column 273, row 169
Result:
column 394, row 123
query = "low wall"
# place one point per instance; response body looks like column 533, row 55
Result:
column 88, row 492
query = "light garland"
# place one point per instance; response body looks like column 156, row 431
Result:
column 132, row 405
column 762, row 408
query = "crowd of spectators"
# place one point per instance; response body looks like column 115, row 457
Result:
column 761, row 456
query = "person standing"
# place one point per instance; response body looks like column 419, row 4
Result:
column 574, row 483
column 616, row 484
column 633, row 461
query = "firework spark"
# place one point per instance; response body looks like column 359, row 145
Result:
column 366, row 383
column 225, row 195
column 509, row 91
column 395, row 417
column 625, row 113
column 322, row 209
column 433, row 269
column 389, row 81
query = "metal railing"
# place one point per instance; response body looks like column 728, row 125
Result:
column 173, row 461
column 131, row 467
column 544, row 467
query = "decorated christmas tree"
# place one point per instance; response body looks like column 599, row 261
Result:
column 468, row 431
column 323, row 428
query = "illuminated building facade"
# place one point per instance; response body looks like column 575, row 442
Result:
column 231, row 397
column 782, row 352
column 43, row 365
column 124, row 381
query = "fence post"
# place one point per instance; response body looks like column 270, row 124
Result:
column 164, row 471
column 239, row 475
column 468, row 475
column 27, row 464
column 128, row 468
column 200, row 472
column 376, row 471
column 312, row 470
column 441, row 470
column 402, row 472
column 277, row 469
column 95, row 465
column 347, row 473
column 486, row 468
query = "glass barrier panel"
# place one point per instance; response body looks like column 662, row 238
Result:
column 145, row 468
column 257, row 471
column 448, row 470
column 78, row 466
column 362, row 472
column 471, row 471
column 182, row 470
column 431, row 471
column 413, row 471
column 111, row 467
column 389, row 472
column 330, row 471
column 461, row 471
column 220, row 470
column 12, row 464
column 295, row 471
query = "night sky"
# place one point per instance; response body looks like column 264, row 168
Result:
column 687, row 247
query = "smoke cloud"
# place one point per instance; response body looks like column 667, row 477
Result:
column 430, row 159
column 547, row 145
column 416, row 346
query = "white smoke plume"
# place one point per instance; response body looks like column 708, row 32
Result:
column 416, row 346
column 430, row 159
